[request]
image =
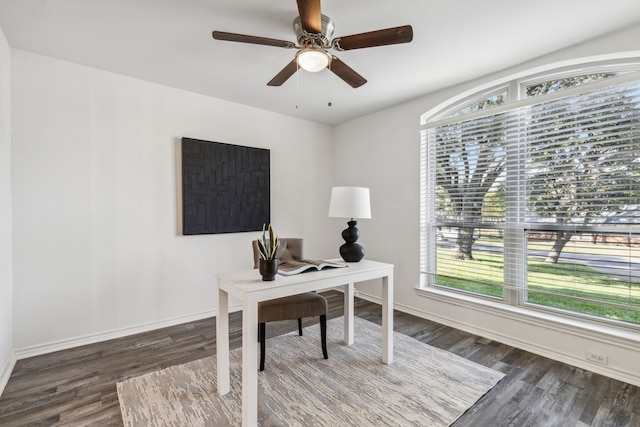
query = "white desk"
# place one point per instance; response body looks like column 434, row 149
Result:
column 250, row 289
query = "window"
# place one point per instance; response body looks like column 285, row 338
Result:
column 536, row 202
column 554, row 85
column 495, row 98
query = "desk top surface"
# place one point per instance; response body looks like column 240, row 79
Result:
column 251, row 281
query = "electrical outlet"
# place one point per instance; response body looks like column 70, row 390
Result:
column 597, row 358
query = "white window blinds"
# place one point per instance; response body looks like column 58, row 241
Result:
column 530, row 182
column 583, row 157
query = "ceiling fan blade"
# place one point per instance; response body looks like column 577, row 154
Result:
column 284, row 74
column 346, row 73
column 395, row 35
column 242, row 38
column 310, row 16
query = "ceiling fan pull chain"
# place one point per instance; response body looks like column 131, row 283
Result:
column 297, row 86
column 330, row 86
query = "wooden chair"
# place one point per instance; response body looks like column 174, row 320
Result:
column 308, row 304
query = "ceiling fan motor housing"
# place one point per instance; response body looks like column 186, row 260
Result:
column 321, row 39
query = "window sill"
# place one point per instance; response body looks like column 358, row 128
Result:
column 627, row 337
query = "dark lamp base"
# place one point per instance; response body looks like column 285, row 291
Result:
column 351, row 251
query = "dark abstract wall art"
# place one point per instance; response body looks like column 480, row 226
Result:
column 225, row 187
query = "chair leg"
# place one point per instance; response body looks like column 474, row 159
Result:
column 323, row 334
column 262, row 334
column 300, row 326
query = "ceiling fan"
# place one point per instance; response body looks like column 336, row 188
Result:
column 314, row 31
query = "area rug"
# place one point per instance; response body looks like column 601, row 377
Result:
column 424, row 386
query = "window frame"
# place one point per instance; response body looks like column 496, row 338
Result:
column 513, row 294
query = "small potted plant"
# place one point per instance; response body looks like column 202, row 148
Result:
column 268, row 249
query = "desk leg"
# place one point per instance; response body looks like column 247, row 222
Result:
column 222, row 342
column 387, row 320
column 250, row 363
column 348, row 314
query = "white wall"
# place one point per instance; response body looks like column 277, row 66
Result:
column 97, row 250
column 386, row 146
column 7, row 359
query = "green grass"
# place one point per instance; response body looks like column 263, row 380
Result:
column 478, row 275
column 572, row 280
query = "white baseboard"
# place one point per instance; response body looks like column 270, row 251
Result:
column 544, row 351
column 6, row 372
column 37, row 350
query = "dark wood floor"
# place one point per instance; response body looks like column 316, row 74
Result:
column 78, row 386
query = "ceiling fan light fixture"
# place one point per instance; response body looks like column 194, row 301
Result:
column 313, row 59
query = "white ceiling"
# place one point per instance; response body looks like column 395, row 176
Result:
column 169, row 42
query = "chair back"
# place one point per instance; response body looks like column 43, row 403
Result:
column 290, row 248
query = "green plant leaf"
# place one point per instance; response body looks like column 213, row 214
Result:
column 268, row 248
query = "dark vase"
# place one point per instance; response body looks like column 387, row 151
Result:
column 268, row 269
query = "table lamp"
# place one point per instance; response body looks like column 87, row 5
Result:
column 350, row 202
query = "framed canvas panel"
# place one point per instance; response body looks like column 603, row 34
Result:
column 225, row 187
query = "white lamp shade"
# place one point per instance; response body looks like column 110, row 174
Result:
column 350, row 202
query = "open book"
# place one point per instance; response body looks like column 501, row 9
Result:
column 289, row 268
